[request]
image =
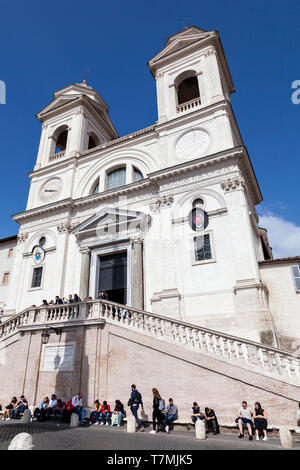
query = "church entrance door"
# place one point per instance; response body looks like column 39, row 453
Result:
column 113, row 277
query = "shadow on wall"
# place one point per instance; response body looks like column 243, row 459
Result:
column 72, row 365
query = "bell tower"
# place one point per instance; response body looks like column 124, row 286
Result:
column 191, row 72
column 76, row 120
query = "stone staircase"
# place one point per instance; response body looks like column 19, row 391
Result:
column 265, row 360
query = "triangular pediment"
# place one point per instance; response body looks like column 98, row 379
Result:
column 181, row 40
column 58, row 103
column 190, row 32
column 112, row 222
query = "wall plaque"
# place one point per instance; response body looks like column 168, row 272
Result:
column 58, row 357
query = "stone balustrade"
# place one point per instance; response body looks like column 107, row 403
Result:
column 258, row 357
column 57, row 156
column 189, row 105
column 244, row 353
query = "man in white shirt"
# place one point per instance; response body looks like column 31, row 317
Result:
column 245, row 419
column 78, row 408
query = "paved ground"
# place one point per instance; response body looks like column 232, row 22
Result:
column 48, row 436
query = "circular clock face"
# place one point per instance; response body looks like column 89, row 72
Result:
column 51, row 190
column 192, row 144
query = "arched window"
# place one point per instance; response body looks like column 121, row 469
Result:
column 61, row 143
column 198, row 203
column 116, row 178
column 137, row 175
column 187, row 90
column 59, row 140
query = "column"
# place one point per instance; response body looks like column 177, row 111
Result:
column 85, row 273
column 137, row 273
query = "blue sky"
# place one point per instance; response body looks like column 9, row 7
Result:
column 47, row 45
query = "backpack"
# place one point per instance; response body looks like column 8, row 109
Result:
column 161, row 405
column 69, row 406
column 138, row 397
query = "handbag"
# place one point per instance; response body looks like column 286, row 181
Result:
column 161, row 405
column 114, row 419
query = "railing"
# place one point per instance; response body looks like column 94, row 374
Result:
column 57, row 155
column 195, row 103
column 248, row 354
column 257, row 357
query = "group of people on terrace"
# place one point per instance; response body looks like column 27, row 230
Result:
column 71, row 299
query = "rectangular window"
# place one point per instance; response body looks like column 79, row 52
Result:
column 296, row 275
column 10, row 252
column 37, row 277
column 202, row 248
column 5, row 278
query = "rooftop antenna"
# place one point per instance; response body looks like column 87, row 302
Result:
column 185, row 22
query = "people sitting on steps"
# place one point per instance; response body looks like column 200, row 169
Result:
column 162, row 415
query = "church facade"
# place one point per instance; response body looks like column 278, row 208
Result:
column 163, row 219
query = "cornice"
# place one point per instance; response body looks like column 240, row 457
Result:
column 238, row 154
column 54, row 207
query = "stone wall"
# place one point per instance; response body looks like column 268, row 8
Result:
column 108, row 359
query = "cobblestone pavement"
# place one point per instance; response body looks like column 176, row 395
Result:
column 48, row 436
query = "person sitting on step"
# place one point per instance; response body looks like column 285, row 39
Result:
column 211, row 422
column 105, row 413
column 260, row 421
column 60, row 412
column 170, row 414
column 244, row 419
column 40, row 413
column 22, row 406
column 75, row 406
column 118, row 414
column 11, row 406
column 196, row 412
column 95, row 413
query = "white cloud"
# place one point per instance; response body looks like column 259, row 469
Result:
column 284, row 236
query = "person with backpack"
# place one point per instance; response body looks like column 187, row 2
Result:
column 158, row 407
column 134, row 401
